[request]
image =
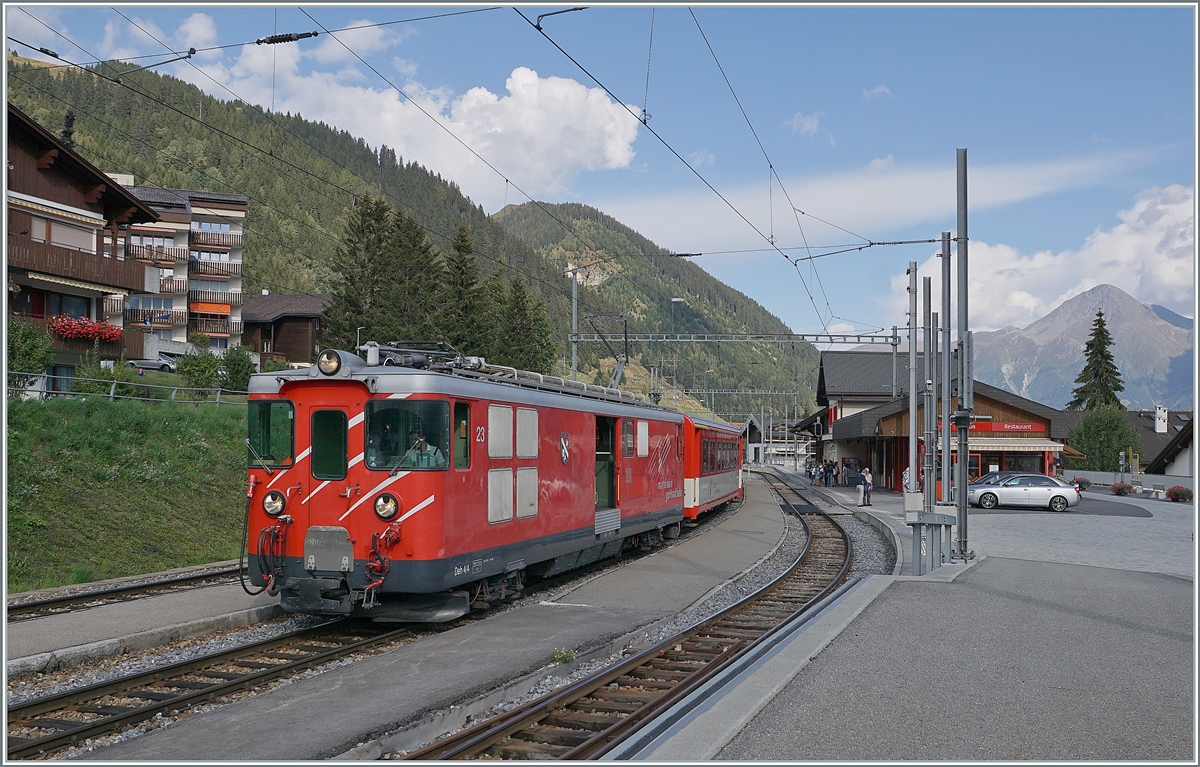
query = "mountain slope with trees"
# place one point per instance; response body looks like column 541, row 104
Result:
column 304, row 179
column 640, row 278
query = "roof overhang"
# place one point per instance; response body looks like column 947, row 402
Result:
column 107, row 290
column 1008, row 444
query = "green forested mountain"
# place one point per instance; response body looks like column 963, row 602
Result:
column 640, row 279
column 302, row 179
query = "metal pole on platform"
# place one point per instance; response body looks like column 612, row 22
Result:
column 965, row 385
column 946, row 385
column 927, row 398
column 912, row 376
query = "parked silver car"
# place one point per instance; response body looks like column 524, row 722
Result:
column 1025, row 490
column 163, row 363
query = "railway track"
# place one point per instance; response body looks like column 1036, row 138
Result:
column 587, row 719
column 18, row 610
column 45, row 724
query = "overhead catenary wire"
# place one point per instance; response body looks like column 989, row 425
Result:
column 673, row 151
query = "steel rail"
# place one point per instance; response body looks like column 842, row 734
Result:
column 35, row 608
column 590, row 717
column 168, row 692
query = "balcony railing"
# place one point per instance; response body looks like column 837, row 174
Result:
column 233, row 298
column 220, row 239
column 161, row 317
column 169, row 286
column 201, row 325
column 219, row 268
column 131, row 343
column 26, row 253
column 156, row 254
column 113, row 306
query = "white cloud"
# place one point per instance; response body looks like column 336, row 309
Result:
column 1150, row 255
column 879, row 91
column 806, row 125
column 703, row 157
column 197, row 31
column 540, row 134
column 366, row 42
column 882, row 163
column 872, row 201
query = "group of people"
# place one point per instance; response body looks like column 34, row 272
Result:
column 824, row 474
column 827, row 474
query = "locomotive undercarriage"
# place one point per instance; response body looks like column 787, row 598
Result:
column 328, row 580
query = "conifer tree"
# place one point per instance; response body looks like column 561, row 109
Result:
column 1100, row 379
column 417, row 283
column 526, row 330
column 366, row 275
column 460, row 321
column 493, row 299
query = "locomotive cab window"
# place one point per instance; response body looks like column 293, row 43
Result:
column 270, row 424
column 627, row 437
column 462, row 435
column 407, row 434
column 329, row 444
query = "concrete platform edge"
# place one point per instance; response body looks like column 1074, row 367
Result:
column 71, row 656
column 703, row 734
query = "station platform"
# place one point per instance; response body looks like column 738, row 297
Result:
column 1068, row 637
column 327, row 715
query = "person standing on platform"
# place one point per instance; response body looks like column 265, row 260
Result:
column 836, row 471
column 865, row 479
column 861, row 490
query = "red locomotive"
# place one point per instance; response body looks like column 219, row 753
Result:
column 415, row 485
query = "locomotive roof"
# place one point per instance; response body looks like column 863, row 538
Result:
column 387, row 379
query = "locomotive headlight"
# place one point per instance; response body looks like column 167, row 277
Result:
column 273, row 503
column 386, row 506
column 329, row 362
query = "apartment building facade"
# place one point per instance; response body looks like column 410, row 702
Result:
column 196, row 248
column 64, row 215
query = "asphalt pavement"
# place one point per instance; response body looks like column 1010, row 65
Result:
column 1068, row 637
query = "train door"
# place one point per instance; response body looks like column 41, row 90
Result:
column 606, row 463
column 330, row 493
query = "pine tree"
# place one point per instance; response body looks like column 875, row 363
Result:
column 417, row 283
column 460, row 319
column 526, row 330
column 364, row 286
column 1100, row 379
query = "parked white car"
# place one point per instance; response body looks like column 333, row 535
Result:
column 1025, row 490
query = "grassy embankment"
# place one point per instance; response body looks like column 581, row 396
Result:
column 100, row 489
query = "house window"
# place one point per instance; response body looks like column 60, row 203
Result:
column 72, row 306
column 218, row 343
column 208, row 226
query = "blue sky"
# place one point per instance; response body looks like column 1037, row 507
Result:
column 1079, row 124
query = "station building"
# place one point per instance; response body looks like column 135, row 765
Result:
column 864, row 422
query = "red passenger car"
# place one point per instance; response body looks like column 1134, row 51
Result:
column 417, row 489
column 712, row 465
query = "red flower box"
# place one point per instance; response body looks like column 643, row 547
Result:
column 82, row 327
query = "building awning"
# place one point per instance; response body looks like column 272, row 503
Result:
column 209, row 308
column 78, row 284
column 1007, row 445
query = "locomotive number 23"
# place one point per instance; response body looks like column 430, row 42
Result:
column 480, row 434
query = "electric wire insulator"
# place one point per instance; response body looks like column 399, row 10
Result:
column 290, row 37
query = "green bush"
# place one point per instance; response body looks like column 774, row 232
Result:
column 271, row 365
column 199, row 371
column 30, row 350
column 238, row 368
column 1122, row 488
column 103, row 377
